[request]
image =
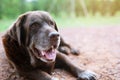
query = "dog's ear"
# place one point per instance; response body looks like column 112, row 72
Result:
column 17, row 30
column 20, row 29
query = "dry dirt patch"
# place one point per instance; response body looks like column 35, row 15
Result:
column 99, row 52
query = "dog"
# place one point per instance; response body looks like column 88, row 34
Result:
column 34, row 48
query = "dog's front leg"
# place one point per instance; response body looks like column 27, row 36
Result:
column 38, row 75
column 62, row 61
column 66, row 48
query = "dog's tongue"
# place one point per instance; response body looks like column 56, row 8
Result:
column 49, row 55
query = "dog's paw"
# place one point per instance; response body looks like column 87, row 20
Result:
column 54, row 78
column 75, row 52
column 87, row 75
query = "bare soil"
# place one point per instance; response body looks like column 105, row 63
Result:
column 99, row 51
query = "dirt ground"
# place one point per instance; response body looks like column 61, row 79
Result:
column 99, row 51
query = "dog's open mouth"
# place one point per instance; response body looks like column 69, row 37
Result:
column 49, row 54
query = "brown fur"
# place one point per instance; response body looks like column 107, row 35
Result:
column 18, row 38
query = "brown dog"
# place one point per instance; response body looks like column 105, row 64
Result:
column 31, row 46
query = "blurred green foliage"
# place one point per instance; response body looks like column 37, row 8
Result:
column 78, row 12
column 13, row 8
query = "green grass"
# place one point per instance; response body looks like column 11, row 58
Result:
column 90, row 21
column 4, row 24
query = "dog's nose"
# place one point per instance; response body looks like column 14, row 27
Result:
column 54, row 35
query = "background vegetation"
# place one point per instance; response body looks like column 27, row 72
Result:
column 65, row 12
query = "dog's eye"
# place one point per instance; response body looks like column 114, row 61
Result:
column 34, row 26
column 51, row 22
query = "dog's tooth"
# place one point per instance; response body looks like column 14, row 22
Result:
column 43, row 53
column 52, row 47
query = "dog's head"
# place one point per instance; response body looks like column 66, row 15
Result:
column 38, row 32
